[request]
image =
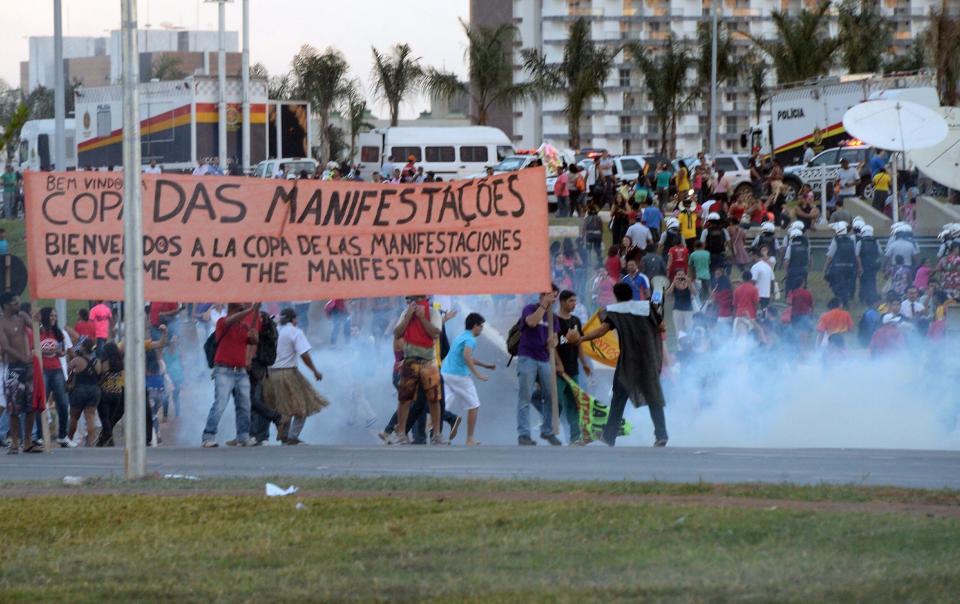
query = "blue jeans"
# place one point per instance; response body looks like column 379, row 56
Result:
column 568, row 406
column 341, row 325
column 227, row 381
column 528, row 370
column 563, row 206
column 56, row 384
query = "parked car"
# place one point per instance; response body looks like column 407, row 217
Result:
column 736, row 169
column 291, row 165
column 825, row 166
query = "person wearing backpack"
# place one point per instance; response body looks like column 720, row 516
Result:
column 285, row 389
column 533, row 362
column 262, row 414
column 716, row 241
column 234, row 337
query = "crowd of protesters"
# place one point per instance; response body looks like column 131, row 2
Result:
column 689, row 265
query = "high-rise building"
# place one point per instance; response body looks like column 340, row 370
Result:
column 96, row 61
column 625, row 122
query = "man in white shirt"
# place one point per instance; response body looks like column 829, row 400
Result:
column 763, row 277
column 153, row 168
column 911, row 309
column 201, row 169
column 640, row 235
column 808, row 153
column 848, row 178
column 285, row 390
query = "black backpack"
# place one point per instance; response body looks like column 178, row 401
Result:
column 210, row 347
column 266, row 354
column 513, row 340
column 716, row 242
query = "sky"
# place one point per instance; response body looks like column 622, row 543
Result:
column 277, row 29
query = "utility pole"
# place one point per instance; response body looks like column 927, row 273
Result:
column 222, row 78
column 135, row 451
column 713, row 80
column 59, row 114
column 245, row 78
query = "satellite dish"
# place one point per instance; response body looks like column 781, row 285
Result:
column 941, row 162
column 895, row 125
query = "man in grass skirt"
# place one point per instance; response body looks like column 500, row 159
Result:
column 285, row 389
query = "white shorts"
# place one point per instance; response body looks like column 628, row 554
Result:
column 460, row 389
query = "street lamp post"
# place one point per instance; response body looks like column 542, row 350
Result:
column 59, row 112
column 135, row 459
column 713, row 80
column 245, row 78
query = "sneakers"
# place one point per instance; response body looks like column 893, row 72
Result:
column 384, row 437
column 398, row 439
column 660, row 442
column 552, row 439
column 526, row 441
column 66, row 443
column 437, row 439
column 292, row 442
column 250, row 441
column 454, row 427
column 210, row 444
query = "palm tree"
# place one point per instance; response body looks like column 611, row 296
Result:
column 914, row 59
column 320, row 78
column 489, row 58
column 865, row 35
column 803, row 48
column 944, row 45
column 166, row 68
column 355, row 110
column 665, row 71
column 757, row 69
column 578, row 78
column 727, row 66
column 396, row 76
column 259, row 71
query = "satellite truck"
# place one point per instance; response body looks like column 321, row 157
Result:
column 179, row 122
column 812, row 111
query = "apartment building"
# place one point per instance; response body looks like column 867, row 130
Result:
column 625, row 122
column 96, row 61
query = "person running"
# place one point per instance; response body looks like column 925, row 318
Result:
column 235, row 335
column 458, row 365
column 285, row 390
column 85, row 396
column 637, row 376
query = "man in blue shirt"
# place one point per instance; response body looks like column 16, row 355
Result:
column 637, row 281
column 879, row 160
column 653, row 218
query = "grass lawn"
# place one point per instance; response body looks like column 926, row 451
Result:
column 376, row 540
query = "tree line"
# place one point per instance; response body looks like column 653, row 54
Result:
column 803, row 48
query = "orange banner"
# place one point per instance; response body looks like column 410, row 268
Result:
column 223, row 239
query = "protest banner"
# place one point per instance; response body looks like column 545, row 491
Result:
column 605, row 350
column 222, row 239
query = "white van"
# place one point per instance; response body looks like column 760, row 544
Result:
column 448, row 152
column 36, row 145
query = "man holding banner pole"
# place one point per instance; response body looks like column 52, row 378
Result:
column 535, row 355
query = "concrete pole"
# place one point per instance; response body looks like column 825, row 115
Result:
column 134, row 407
column 245, row 76
column 222, row 78
column 59, row 90
column 60, row 114
column 713, row 81
column 895, row 185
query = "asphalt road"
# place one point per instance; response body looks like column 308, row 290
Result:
column 903, row 468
